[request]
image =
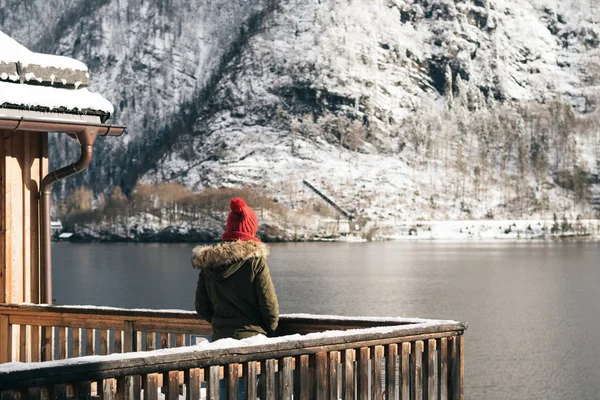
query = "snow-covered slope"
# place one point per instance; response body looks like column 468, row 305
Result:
column 397, row 108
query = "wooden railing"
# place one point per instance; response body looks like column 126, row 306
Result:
column 334, row 357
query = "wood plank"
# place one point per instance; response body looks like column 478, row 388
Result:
column 37, row 174
column 232, row 381
column 334, row 375
column 90, row 342
column 48, row 343
column 151, row 386
column 429, row 370
column 3, row 215
column 286, row 378
column 129, row 337
column 443, row 369
column 302, row 383
column 150, row 341
column 118, row 341
column 173, row 386
column 348, row 374
column 6, row 342
column 109, row 389
column 83, row 390
column 250, row 390
column 121, row 388
column 103, row 342
column 458, row 368
column 179, row 340
column 76, row 342
column 362, row 374
column 211, row 375
column 391, row 365
column 267, row 373
column 27, row 223
column 15, row 223
column 23, row 343
column 192, row 379
column 376, row 372
column 321, row 367
column 35, row 344
column 416, row 364
column 164, row 340
column 404, row 371
column 62, row 343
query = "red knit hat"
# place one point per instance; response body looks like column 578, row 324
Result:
column 242, row 223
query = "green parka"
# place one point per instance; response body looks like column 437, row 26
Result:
column 235, row 292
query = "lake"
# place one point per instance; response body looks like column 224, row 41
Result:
column 533, row 308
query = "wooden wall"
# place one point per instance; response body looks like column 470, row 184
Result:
column 23, row 164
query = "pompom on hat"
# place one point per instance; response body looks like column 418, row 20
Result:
column 242, row 223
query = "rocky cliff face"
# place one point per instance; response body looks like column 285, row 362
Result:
column 397, row 108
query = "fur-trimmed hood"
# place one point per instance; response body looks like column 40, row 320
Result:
column 225, row 258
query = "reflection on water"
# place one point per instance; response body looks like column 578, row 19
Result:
column 532, row 308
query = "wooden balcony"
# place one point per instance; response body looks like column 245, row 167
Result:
column 152, row 354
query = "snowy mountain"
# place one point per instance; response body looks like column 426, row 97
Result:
column 399, row 109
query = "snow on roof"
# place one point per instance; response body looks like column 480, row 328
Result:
column 35, row 81
column 29, row 96
column 11, row 52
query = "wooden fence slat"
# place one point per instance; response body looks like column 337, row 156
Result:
column 457, row 368
column 405, row 371
column 334, row 375
column 83, row 390
column 138, row 340
column 103, row 342
column 232, row 381
column 179, row 340
column 23, row 343
column 90, row 342
column 302, row 378
column 172, row 386
column 150, row 341
column 416, row 366
column 62, row 343
column 35, row 343
column 6, row 344
column 321, row 375
column 391, row 364
column 250, row 390
column 376, row 372
column 211, row 376
column 443, row 369
column 129, row 337
column 192, row 381
column 48, row 343
column 267, row 373
column 348, row 375
column 76, row 342
column 121, row 388
column 362, row 363
column 109, row 387
column 429, row 370
column 118, row 341
column 164, row 340
column 150, row 386
column 286, row 378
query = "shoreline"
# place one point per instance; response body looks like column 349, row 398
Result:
column 415, row 230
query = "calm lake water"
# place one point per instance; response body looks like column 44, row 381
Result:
column 533, row 308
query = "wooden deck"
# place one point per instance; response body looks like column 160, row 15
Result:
column 316, row 358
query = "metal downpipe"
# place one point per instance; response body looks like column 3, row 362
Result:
column 86, row 139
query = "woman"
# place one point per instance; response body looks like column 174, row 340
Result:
column 235, row 292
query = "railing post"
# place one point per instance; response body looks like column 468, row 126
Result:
column 6, row 339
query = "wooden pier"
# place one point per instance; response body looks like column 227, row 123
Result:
column 326, row 358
